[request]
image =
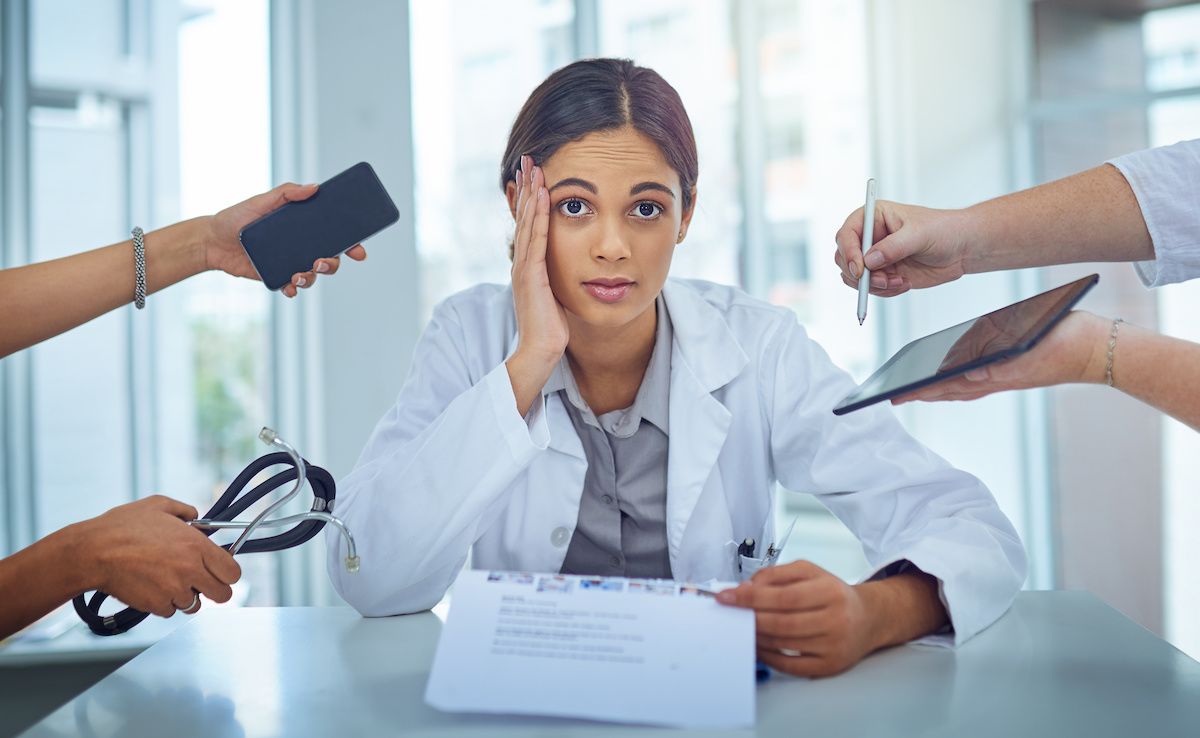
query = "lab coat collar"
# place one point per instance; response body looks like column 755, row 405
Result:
column 703, row 340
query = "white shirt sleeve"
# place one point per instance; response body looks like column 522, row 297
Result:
column 435, row 473
column 902, row 501
column 1166, row 182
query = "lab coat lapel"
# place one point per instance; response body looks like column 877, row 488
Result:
column 705, row 356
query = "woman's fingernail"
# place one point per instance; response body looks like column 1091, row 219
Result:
column 854, row 269
column 874, row 260
column 300, row 281
column 322, row 267
column 726, row 597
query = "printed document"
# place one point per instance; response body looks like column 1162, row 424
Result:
column 604, row 648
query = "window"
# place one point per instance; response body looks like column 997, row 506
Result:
column 1108, row 83
column 116, row 131
column 214, row 383
column 782, row 143
column 1172, row 42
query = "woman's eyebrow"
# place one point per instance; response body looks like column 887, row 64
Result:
column 576, row 181
column 635, row 190
column 646, row 186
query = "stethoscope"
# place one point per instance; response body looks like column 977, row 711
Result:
column 221, row 515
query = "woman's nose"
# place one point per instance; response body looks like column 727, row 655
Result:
column 612, row 244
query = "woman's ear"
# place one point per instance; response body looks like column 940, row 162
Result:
column 510, row 192
column 687, row 218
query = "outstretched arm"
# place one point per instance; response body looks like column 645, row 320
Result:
column 1090, row 216
column 1158, row 370
column 142, row 553
column 40, row 301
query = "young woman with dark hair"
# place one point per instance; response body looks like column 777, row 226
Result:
column 595, row 417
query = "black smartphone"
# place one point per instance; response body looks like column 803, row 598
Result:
column 999, row 335
column 347, row 209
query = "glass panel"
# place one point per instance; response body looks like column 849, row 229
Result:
column 469, row 81
column 816, row 168
column 1172, row 41
column 81, row 400
column 77, row 41
column 1178, row 305
column 214, row 349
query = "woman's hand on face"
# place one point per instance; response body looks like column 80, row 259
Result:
column 1075, row 350
column 913, row 247
column 808, row 622
column 541, row 320
column 224, row 250
column 148, row 557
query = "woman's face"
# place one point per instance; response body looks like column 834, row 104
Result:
column 615, row 217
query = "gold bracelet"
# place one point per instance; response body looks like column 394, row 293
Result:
column 1112, row 344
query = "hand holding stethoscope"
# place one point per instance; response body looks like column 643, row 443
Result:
column 305, row 525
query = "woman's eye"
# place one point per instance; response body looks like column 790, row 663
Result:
column 573, row 208
column 647, row 210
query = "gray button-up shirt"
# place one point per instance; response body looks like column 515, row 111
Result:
column 622, row 527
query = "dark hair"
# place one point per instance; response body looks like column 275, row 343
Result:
column 599, row 95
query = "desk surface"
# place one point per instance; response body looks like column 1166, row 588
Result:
column 1059, row 663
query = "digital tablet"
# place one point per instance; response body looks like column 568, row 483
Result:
column 999, row 335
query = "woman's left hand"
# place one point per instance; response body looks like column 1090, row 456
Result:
column 808, row 622
column 224, row 251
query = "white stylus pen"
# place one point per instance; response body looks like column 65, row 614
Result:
column 864, row 279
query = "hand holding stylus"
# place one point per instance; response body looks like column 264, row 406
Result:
column 909, row 247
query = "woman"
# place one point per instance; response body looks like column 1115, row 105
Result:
column 596, row 417
column 1139, row 207
column 143, row 553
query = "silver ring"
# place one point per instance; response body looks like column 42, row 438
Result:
column 789, row 652
column 193, row 607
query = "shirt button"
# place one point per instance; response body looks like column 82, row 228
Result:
column 560, row 536
column 615, row 561
column 607, row 499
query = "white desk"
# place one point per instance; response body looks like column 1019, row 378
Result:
column 1060, row 663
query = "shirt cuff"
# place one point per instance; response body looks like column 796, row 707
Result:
column 1160, row 179
column 942, row 638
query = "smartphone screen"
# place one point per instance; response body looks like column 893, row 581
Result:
column 347, row 209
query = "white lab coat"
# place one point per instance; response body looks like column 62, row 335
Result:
column 453, row 470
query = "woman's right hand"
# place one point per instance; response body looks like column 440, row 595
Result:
column 541, row 320
column 913, row 247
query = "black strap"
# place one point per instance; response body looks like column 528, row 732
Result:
column 231, row 504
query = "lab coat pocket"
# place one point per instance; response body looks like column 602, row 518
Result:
column 748, row 566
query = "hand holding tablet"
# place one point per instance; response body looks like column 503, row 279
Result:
column 923, row 369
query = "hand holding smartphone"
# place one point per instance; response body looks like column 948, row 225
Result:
column 346, row 209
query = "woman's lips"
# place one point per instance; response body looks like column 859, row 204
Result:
column 609, row 292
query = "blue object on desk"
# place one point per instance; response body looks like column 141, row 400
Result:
column 762, row 672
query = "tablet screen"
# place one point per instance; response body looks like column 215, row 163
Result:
column 998, row 335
